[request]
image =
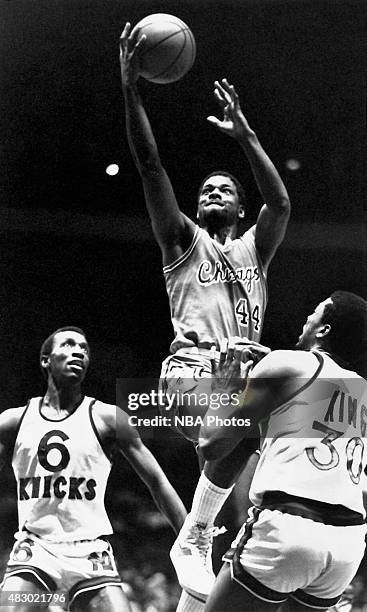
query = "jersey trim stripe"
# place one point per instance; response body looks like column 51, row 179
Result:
column 306, row 385
column 184, row 255
column 84, row 586
column 43, row 578
column 314, row 602
column 90, row 409
column 318, row 511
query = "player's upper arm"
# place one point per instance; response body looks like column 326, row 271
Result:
column 271, row 226
column 9, row 424
column 272, row 381
column 172, row 229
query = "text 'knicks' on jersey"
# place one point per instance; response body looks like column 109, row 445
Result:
column 61, row 472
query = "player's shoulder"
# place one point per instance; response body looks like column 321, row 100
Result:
column 112, row 416
column 11, row 418
column 286, row 363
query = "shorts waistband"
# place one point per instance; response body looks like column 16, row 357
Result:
column 195, row 350
column 321, row 512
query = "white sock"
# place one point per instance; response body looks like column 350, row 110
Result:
column 208, row 500
column 188, row 603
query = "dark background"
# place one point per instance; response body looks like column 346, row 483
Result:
column 76, row 245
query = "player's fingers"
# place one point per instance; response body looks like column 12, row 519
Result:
column 246, row 355
column 223, row 352
column 125, row 32
column 140, row 42
column 221, row 92
column 213, row 120
column 212, row 358
column 220, row 99
column 230, row 349
column 246, row 368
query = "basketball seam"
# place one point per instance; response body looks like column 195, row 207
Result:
column 184, row 30
column 162, row 40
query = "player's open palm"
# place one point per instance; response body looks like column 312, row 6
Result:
column 234, row 122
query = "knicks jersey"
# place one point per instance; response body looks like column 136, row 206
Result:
column 61, row 472
column 314, row 445
column 216, row 291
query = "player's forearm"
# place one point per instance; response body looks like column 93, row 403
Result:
column 266, row 175
column 169, row 503
column 141, row 139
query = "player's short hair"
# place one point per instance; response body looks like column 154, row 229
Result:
column 48, row 344
column 240, row 189
column 347, row 317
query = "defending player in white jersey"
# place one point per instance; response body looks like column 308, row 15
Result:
column 304, row 539
column 61, row 447
column 216, row 284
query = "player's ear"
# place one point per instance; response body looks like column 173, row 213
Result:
column 324, row 330
column 241, row 212
column 45, row 361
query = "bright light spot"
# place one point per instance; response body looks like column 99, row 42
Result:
column 292, row 164
column 112, row 169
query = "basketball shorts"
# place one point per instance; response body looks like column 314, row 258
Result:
column 70, row 568
column 277, row 555
column 185, row 383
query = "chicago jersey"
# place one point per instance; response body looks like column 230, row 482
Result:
column 216, row 291
column 314, row 445
column 61, row 472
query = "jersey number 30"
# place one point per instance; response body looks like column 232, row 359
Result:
column 354, row 458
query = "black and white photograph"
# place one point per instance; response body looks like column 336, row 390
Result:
column 183, row 319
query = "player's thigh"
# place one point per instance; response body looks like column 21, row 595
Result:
column 107, row 599
column 229, row 595
column 26, row 587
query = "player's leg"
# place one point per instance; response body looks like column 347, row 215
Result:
column 230, row 595
column 234, row 511
column 192, row 551
column 190, row 603
column 110, row 598
column 21, row 592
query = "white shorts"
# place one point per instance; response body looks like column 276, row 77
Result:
column 70, row 568
column 186, row 376
column 277, row 555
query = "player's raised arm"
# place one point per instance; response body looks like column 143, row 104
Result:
column 129, row 443
column 172, row 229
column 274, row 215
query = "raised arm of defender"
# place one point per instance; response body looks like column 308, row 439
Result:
column 273, row 217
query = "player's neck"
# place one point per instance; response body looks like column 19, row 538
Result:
column 222, row 234
column 62, row 400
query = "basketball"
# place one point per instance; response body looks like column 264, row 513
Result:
column 169, row 50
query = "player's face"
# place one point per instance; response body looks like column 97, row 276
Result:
column 313, row 325
column 69, row 359
column 218, row 198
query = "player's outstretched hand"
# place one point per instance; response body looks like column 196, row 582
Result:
column 234, row 123
column 229, row 373
column 131, row 44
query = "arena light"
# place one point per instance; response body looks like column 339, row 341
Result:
column 112, row 169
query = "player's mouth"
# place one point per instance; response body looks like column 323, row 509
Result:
column 76, row 364
column 215, row 202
